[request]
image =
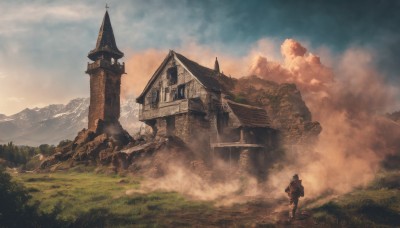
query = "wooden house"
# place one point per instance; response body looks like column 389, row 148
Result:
column 189, row 101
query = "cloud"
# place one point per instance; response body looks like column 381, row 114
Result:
column 17, row 19
column 348, row 101
column 35, row 13
column 16, row 99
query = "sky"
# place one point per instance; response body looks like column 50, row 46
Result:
column 44, row 44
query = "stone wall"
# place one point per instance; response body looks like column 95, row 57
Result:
column 112, row 96
column 182, row 127
column 192, row 128
column 104, row 97
column 97, row 91
column 161, row 126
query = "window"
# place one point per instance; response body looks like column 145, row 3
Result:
column 173, row 94
column 154, row 98
column 181, row 92
column 172, row 75
column 166, row 94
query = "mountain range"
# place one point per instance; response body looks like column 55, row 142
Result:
column 56, row 122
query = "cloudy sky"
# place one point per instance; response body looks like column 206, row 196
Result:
column 44, row 44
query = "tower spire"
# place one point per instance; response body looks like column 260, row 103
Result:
column 216, row 66
column 105, row 41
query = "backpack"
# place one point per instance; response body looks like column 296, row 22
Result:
column 296, row 189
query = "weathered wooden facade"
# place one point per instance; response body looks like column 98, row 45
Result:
column 187, row 100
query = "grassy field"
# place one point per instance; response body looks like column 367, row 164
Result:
column 377, row 205
column 92, row 199
column 88, row 199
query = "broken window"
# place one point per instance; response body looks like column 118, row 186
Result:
column 181, row 92
column 172, row 75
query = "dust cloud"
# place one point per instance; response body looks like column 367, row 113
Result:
column 348, row 98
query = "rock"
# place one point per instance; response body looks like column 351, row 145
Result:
column 285, row 107
column 123, row 181
column 101, row 146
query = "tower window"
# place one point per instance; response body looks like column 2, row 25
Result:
column 172, row 75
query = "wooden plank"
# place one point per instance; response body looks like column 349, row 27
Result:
column 235, row 144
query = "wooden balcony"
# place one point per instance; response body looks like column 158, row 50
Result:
column 117, row 67
column 169, row 108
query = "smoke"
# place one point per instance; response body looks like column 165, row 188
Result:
column 348, row 101
column 192, row 184
column 347, row 98
column 139, row 68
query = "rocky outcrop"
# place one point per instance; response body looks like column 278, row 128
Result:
column 96, row 146
column 285, row 107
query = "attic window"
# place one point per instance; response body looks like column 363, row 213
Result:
column 172, row 75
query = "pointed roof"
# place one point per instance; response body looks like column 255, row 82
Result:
column 204, row 75
column 216, row 65
column 105, row 41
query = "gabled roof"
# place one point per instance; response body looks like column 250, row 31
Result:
column 206, row 76
column 249, row 116
column 106, row 40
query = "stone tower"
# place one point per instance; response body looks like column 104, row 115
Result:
column 105, row 78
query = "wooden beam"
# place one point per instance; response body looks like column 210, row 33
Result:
column 235, row 144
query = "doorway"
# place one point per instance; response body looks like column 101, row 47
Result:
column 170, row 125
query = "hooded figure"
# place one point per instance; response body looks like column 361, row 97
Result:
column 295, row 190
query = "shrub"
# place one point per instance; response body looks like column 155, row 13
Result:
column 15, row 210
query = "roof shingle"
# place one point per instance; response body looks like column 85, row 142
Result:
column 205, row 75
column 249, row 116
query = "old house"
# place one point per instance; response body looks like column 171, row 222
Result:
column 190, row 101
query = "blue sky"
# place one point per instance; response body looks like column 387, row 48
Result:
column 44, row 44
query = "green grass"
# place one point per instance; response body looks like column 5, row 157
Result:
column 377, row 205
column 89, row 199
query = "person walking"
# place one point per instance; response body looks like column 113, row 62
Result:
column 295, row 190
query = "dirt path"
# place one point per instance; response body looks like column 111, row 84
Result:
column 251, row 214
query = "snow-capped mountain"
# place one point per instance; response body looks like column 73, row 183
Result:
column 57, row 122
